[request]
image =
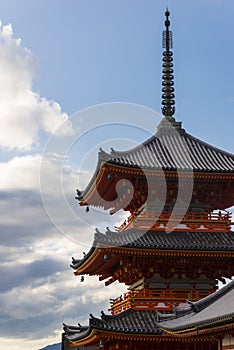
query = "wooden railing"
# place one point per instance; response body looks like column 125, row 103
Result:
column 191, row 221
column 149, row 299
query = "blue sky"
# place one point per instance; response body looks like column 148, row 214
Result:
column 92, row 52
column 73, row 55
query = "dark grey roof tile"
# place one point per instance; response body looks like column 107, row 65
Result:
column 173, row 150
column 160, row 240
column 216, row 308
column 129, row 321
column 133, row 238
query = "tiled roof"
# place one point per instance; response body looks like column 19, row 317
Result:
column 217, row 308
column 213, row 309
column 129, row 321
column 170, row 149
column 174, row 240
column 208, row 241
column 173, row 149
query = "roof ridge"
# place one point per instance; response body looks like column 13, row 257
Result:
column 103, row 154
column 208, row 145
column 116, row 153
column 106, row 317
column 209, row 299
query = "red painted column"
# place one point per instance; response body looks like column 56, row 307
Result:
column 220, row 344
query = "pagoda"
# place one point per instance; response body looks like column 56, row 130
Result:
column 177, row 242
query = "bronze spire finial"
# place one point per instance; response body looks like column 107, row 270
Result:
column 168, row 102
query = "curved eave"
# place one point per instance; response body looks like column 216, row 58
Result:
column 87, row 261
column 92, row 183
column 87, row 338
column 102, row 192
column 94, row 264
column 79, row 262
column 206, row 326
column 95, row 334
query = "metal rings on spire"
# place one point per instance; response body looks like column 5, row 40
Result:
column 168, row 102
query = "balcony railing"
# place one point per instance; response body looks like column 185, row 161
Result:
column 153, row 299
column 192, row 221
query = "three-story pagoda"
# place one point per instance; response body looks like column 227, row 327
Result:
column 177, row 242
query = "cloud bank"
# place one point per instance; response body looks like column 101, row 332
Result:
column 38, row 291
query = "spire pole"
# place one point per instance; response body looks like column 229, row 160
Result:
column 168, row 102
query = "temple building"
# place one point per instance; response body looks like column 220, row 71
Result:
column 175, row 247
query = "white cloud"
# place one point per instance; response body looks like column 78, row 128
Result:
column 23, row 173
column 23, row 112
column 20, row 173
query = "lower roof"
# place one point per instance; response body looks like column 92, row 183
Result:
column 129, row 321
column 213, row 310
column 217, row 308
